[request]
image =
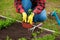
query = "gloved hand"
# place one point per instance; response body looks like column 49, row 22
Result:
column 24, row 16
column 30, row 18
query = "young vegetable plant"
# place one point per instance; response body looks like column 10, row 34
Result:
column 34, row 35
column 6, row 23
column 8, row 38
column 1, row 24
column 47, row 37
column 22, row 39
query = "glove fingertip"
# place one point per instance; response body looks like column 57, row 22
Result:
column 25, row 20
column 28, row 21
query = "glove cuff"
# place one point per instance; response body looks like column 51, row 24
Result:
column 23, row 12
column 32, row 13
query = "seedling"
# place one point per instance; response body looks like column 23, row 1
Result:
column 34, row 35
column 22, row 39
column 6, row 23
column 8, row 38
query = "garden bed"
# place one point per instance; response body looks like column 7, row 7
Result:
column 16, row 31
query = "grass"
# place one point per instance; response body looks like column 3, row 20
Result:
column 52, row 5
column 7, row 9
column 53, row 1
column 52, row 25
column 47, row 37
column 6, row 23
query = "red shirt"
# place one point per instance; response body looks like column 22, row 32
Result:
column 38, row 8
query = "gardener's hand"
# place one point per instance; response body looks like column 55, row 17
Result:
column 24, row 16
column 30, row 18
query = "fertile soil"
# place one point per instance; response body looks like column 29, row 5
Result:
column 16, row 31
column 57, row 38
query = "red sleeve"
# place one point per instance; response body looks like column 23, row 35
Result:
column 18, row 6
column 40, row 6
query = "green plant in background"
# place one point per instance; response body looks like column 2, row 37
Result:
column 6, row 23
column 47, row 37
column 56, row 34
column 22, row 39
column 39, row 31
column 1, row 24
column 51, row 24
column 34, row 35
column 9, row 22
column 8, row 38
column 53, row 1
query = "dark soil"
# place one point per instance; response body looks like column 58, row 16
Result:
column 57, row 38
column 16, row 31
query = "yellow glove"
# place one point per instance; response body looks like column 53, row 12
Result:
column 24, row 16
column 30, row 18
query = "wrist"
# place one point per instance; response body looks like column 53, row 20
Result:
column 33, row 13
column 23, row 12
